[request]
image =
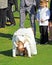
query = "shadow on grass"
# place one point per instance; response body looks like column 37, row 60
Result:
column 38, row 40
column 50, row 42
column 6, row 35
column 7, row 52
column 17, row 17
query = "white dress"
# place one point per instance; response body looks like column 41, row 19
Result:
column 25, row 34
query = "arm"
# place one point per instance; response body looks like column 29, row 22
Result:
column 27, row 46
column 14, row 41
column 47, row 15
column 38, row 16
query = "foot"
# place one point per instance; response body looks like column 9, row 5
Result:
column 2, row 26
column 12, row 24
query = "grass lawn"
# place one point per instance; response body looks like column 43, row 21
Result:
column 44, row 56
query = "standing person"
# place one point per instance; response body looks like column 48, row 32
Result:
column 10, row 13
column 3, row 7
column 30, row 7
column 43, row 15
column 50, row 22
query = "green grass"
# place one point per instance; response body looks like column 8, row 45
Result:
column 44, row 56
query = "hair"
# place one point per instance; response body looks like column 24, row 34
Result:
column 43, row 1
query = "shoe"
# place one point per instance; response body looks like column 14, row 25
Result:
column 8, row 20
column 12, row 24
column 8, row 23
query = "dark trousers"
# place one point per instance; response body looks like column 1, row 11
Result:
column 2, row 17
column 10, row 14
column 43, row 34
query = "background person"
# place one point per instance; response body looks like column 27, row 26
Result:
column 43, row 15
column 30, row 7
column 50, row 22
column 10, row 13
column 3, row 7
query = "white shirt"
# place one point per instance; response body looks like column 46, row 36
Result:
column 43, row 13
